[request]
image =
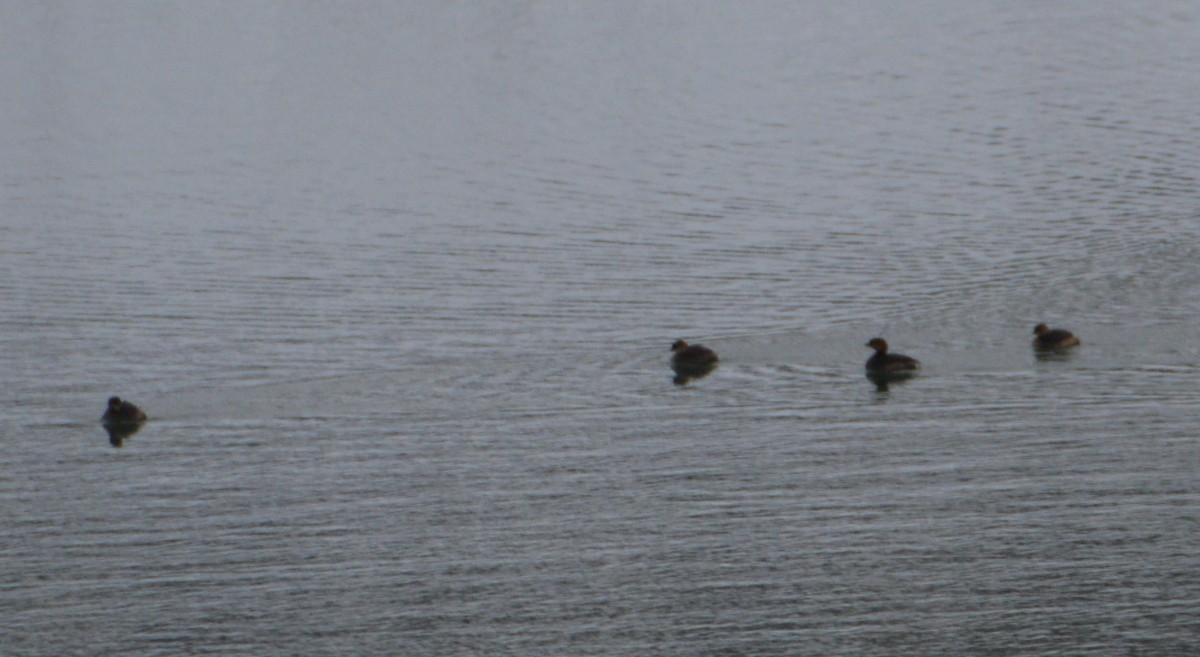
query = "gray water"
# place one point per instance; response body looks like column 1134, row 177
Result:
column 396, row 283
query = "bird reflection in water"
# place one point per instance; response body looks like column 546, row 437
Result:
column 685, row 374
column 118, row 433
column 121, row 420
column 1052, row 355
column 883, row 379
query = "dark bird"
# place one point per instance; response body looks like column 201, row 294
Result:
column 1048, row 338
column 883, row 362
column 692, row 355
column 692, row 361
column 122, row 412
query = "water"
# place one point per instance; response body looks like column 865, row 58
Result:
column 397, row 284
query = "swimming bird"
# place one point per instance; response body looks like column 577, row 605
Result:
column 1048, row 338
column 122, row 412
column 692, row 361
column 883, row 362
column 692, row 355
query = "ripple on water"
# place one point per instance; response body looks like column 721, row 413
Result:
column 408, row 372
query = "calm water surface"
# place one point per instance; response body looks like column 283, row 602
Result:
column 397, row 285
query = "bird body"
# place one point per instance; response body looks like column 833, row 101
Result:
column 122, row 412
column 1048, row 338
column 883, row 362
column 692, row 355
column 691, row 361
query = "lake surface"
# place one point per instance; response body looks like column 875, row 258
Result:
column 396, row 285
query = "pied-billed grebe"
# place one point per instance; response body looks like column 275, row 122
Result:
column 882, row 361
column 1048, row 338
column 122, row 412
column 692, row 355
